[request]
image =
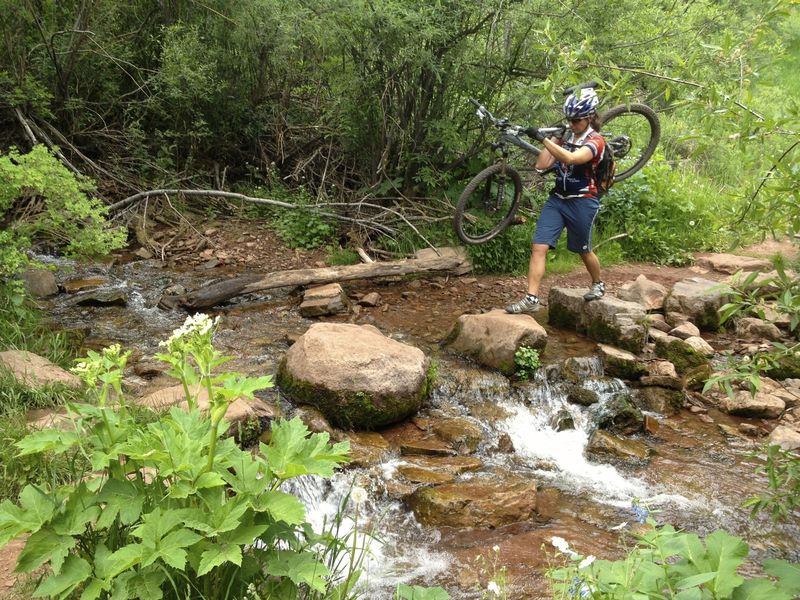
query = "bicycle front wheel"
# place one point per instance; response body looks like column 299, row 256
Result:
column 633, row 131
column 488, row 204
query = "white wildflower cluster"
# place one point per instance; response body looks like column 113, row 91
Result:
column 493, row 588
column 199, row 324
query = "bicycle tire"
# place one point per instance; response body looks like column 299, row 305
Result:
column 640, row 125
column 480, row 204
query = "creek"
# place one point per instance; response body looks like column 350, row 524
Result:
column 697, row 479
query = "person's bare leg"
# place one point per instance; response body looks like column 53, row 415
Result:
column 592, row 264
column 536, row 267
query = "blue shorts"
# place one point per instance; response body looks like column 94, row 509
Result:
column 576, row 214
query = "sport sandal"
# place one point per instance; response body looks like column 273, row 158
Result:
column 529, row 304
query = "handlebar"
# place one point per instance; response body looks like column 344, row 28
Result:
column 580, row 86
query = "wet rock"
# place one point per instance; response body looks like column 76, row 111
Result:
column 751, row 430
column 785, row 437
column 648, row 293
column 761, row 405
column 505, row 445
column 492, row 339
column 208, row 265
column 699, row 345
column 322, row 300
column 426, row 476
column 40, row 283
column 100, row 297
column 36, row 371
column 562, row 420
column 461, row 434
column 579, row 395
column 603, row 445
column 609, row 319
column 680, row 353
column 663, row 400
column 175, row 290
column 74, row 286
column 366, row 448
column 355, row 375
column 476, row 503
column 621, row 363
column 436, row 470
column 698, row 298
column 314, row 419
column 685, row 331
column 651, row 425
column 576, row 369
column 619, row 415
column 426, row 447
column 731, row 263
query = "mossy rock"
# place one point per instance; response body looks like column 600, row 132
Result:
column 680, row 354
column 355, row 410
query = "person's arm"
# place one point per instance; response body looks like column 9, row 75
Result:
column 545, row 160
column 557, row 153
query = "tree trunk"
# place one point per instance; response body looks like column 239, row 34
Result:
column 216, row 293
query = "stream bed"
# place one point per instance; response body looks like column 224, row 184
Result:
column 697, row 479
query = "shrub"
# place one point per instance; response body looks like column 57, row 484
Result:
column 43, row 201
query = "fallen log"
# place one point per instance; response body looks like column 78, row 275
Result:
column 450, row 260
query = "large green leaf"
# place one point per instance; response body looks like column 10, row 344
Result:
column 36, row 508
column 218, row 554
column 281, row 506
column 725, row 552
column 301, row 568
column 47, row 440
column 111, row 564
column 759, row 589
column 74, row 572
column 45, row 545
column 788, row 575
column 293, row 451
column 121, row 498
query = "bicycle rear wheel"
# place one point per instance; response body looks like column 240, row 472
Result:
column 488, row 204
column 633, row 131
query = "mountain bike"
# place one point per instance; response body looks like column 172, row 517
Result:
column 490, row 201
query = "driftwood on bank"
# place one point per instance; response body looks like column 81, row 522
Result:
column 216, row 293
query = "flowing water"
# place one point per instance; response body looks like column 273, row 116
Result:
column 697, row 478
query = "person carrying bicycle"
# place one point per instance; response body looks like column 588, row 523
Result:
column 573, row 202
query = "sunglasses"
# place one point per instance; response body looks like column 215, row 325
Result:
column 578, row 120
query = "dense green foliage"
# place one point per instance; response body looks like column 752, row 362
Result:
column 351, row 100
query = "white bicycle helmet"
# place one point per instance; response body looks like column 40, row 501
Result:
column 578, row 107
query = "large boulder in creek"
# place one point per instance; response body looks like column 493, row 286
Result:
column 660, row 399
column 36, row 371
column 608, row 320
column 698, row 298
column 493, row 338
column 356, row 376
column 475, row 503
